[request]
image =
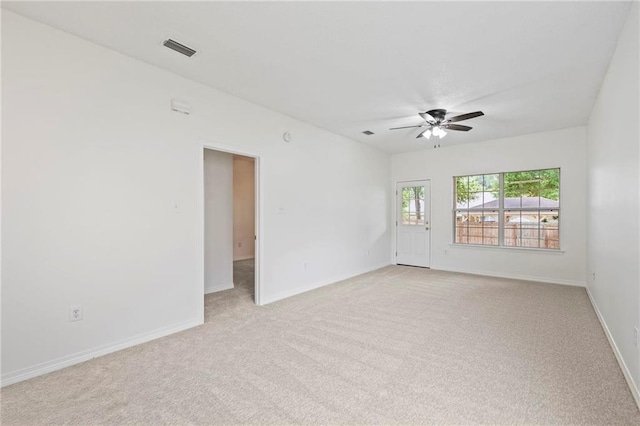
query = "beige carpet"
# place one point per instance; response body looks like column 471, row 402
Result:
column 398, row 345
column 236, row 301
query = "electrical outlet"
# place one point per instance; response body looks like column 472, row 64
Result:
column 75, row 313
column 594, row 276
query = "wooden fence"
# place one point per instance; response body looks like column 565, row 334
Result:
column 515, row 234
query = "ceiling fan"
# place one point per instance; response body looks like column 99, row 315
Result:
column 436, row 123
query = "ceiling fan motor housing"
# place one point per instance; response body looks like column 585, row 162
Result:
column 438, row 114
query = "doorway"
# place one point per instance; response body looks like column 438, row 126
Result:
column 230, row 229
column 413, row 223
column 244, row 235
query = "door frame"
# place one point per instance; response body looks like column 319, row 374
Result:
column 258, row 220
column 394, row 248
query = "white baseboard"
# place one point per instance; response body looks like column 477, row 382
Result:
column 623, row 366
column 69, row 360
column 302, row 289
column 244, row 258
column 218, row 288
column 510, row 276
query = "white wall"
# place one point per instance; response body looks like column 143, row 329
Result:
column 94, row 164
column 243, row 208
column 613, row 191
column 218, row 221
column 563, row 148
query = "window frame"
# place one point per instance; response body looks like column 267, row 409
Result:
column 501, row 213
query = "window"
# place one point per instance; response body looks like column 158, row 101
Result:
column 413, row 205
column 514, row 209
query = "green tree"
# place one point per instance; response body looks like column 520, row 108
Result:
column 413, row 194
column 468, row 186
column 543, row 183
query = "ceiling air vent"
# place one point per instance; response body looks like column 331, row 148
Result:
column 178, row 47
column 368, row 132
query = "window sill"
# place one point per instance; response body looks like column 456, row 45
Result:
column 512, row 249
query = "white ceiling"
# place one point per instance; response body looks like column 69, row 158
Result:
column 354, row 66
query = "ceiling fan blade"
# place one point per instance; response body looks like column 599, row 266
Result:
column 465, row 116
column 457, row 127
column 406, row 127
column 427, row 117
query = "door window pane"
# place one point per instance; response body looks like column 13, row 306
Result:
column 413, row 209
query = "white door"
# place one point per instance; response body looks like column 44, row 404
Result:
column 413, row 223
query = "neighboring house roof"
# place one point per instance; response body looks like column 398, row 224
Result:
column 520, row 202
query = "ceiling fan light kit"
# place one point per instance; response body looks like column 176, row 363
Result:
column 436, row 123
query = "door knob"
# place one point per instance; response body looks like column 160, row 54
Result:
column 426, row 228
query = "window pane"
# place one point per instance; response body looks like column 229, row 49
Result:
column 522, row 190
column 476, row 200
column 530, row 242
column 413, row 205
column 492, row 184
column 477, row 192
column 537, row 229
column 529, row 230
column 550, row 184
column 477, row 227
column 462, row 227
column 512, row 229
column 549, row 218
column 462, row 192
column 405, row 206
column 549, row 229
column 532, row 189
column 520, row 229
column 490, row 229
column 476, row 183
column 469, row 191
